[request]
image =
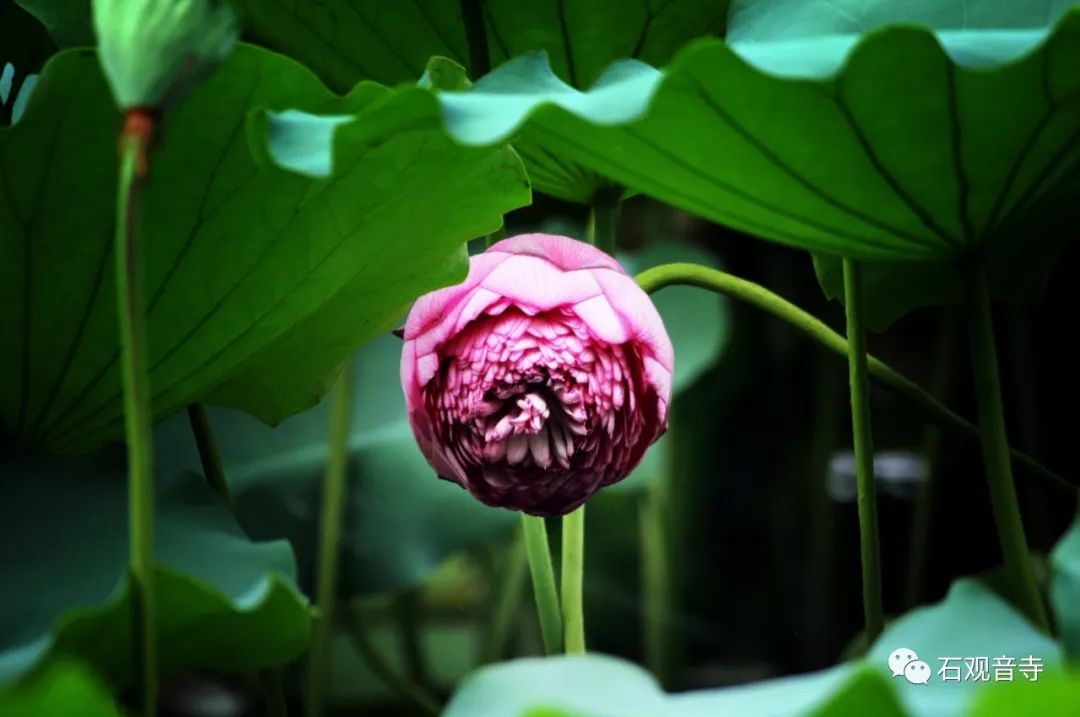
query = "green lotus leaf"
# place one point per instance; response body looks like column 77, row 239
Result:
column 348, row 40
column 972, row 621
column 1056, row 694
column 223, row 602
column 1015, row 274
column 920, row 141
column 601, row 686
column 344, row 41
column 65, row 689
column 259, row 281
column 401, row 521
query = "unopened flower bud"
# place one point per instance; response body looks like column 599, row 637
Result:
column 542, row 378
column 154, row 51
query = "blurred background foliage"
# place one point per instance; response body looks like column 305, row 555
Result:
column 765, row 578
column 766, row 570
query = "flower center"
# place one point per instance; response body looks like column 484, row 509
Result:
column 529, row 425
column 522, row 401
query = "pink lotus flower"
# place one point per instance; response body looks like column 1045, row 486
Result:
column 540, row 379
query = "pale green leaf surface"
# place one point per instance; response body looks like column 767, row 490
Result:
column 602, row 686
column 971, row 621
column 223, row 601
column 65, row 690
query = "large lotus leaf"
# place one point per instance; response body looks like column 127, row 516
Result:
column 401, row 520
column 259, row 281
column 906, row 143
column 972, row 621
column 1015, row 274
column 1065, row 590
column 223, row 602
column 348, row 40
column 345, row 41
column 600, row 686
column 64, row 690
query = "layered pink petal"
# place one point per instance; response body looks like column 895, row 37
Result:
column 430, row 310
column 562, row 252
column 542, row 377
column 532, row 282
column 639, row 315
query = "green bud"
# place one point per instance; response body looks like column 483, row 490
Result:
column 155, row 51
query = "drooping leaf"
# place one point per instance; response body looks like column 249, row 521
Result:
column 903, row 143
column 1065, row 590
column 259, row 281
column 401, row 520
column 348, row 40
column 223, row 602
column 63, row 690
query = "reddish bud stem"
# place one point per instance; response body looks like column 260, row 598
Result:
column 140, row 122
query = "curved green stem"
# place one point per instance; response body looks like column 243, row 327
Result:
column 543, row 579
column 995, row 451
column 721, row 282
column 331, row 520
column 866, row 488
column 573, row 579
column 137, row 422
column 209, row 453
column 381, row 668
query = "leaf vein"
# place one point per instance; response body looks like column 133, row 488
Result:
column 778, row 162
